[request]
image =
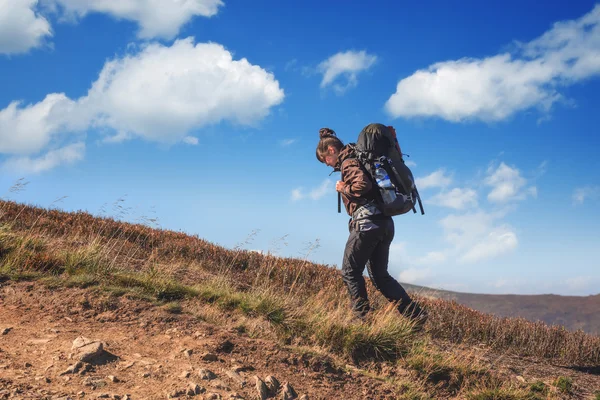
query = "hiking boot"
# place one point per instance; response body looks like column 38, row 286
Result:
column 416, row 314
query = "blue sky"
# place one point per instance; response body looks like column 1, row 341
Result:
column 205, row 114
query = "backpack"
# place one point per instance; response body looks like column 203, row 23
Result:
column 378, row 151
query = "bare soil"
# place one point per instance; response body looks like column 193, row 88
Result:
column 145, row 350
column 156, row 354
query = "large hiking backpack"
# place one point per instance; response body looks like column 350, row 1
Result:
column 379, row 152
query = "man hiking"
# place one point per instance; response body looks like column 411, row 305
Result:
column 371, row 232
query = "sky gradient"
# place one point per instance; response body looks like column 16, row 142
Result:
column 205, row 114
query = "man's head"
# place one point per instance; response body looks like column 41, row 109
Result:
column 329, row 147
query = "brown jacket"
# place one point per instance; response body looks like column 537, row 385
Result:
column 358, row 187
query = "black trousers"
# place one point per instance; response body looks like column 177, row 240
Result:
column 371, row 248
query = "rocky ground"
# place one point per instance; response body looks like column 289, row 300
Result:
column 67, row 343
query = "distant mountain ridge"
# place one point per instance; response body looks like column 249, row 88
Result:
column 572, row 312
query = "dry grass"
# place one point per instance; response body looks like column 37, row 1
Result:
column 303, row 303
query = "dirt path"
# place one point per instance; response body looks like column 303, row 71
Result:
column 148, row 353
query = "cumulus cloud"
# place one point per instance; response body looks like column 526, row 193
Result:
column 160, row 94
column 496, row 87
column 498, row 241
column 316, row 193
column 507, row 184
column 28, row 129
column 456, row 198
column 21, row 27
column 345, row 64
column 587, row 192
column 156, row 18
column 53, row 158
column 477, row 236
column 436, row 179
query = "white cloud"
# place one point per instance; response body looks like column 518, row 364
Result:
column 499, row 241
column 463, row 230
column 66, row 155
column 434, row 180
column 410, row 164
column 322, row 190
column 156, row 18
column 21, row 27
column 316, row 193
column 456, row 198
column 477, row 236
column 507, row 184
column 587, row 192
column 287, row 142
column 432, row 258
column 297, row 194
column 348, row 64
column 191, row 140
column 415, row 275
column 201, row 84
column 28, row 129
column 496, row 87
column 161, row 94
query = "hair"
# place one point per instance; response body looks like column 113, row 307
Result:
column 327, row 138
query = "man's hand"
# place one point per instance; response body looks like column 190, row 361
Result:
column 339, row 186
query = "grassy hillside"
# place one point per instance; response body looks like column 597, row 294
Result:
column 459, row 355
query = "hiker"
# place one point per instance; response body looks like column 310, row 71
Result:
column 371, row 232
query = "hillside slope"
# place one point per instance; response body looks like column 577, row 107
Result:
column 572, row 312
column 97, row 308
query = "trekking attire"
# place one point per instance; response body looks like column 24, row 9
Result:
column 371, row 234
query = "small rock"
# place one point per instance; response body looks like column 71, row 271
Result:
column 103, row 396
column 304, row 397
column 272, row 384
column 206, row 374
column 146, row 375
column 5, row 330
column 73, row 369
column 187, row 353
column 128, row 365
column 209, row 357
column 195, row 389
column 520, row 378
column 27, row 365
column 174, row 394
column 185, row 374
column 218, row 384
column 81, row 393
column 212, row 396
column 94, row 382
column 236, row 396
column 261, row 388
column 116, row 397
column 87, row 349
column 126, row 397
column 113, row 379
column 288, row 392
column 236, row 377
